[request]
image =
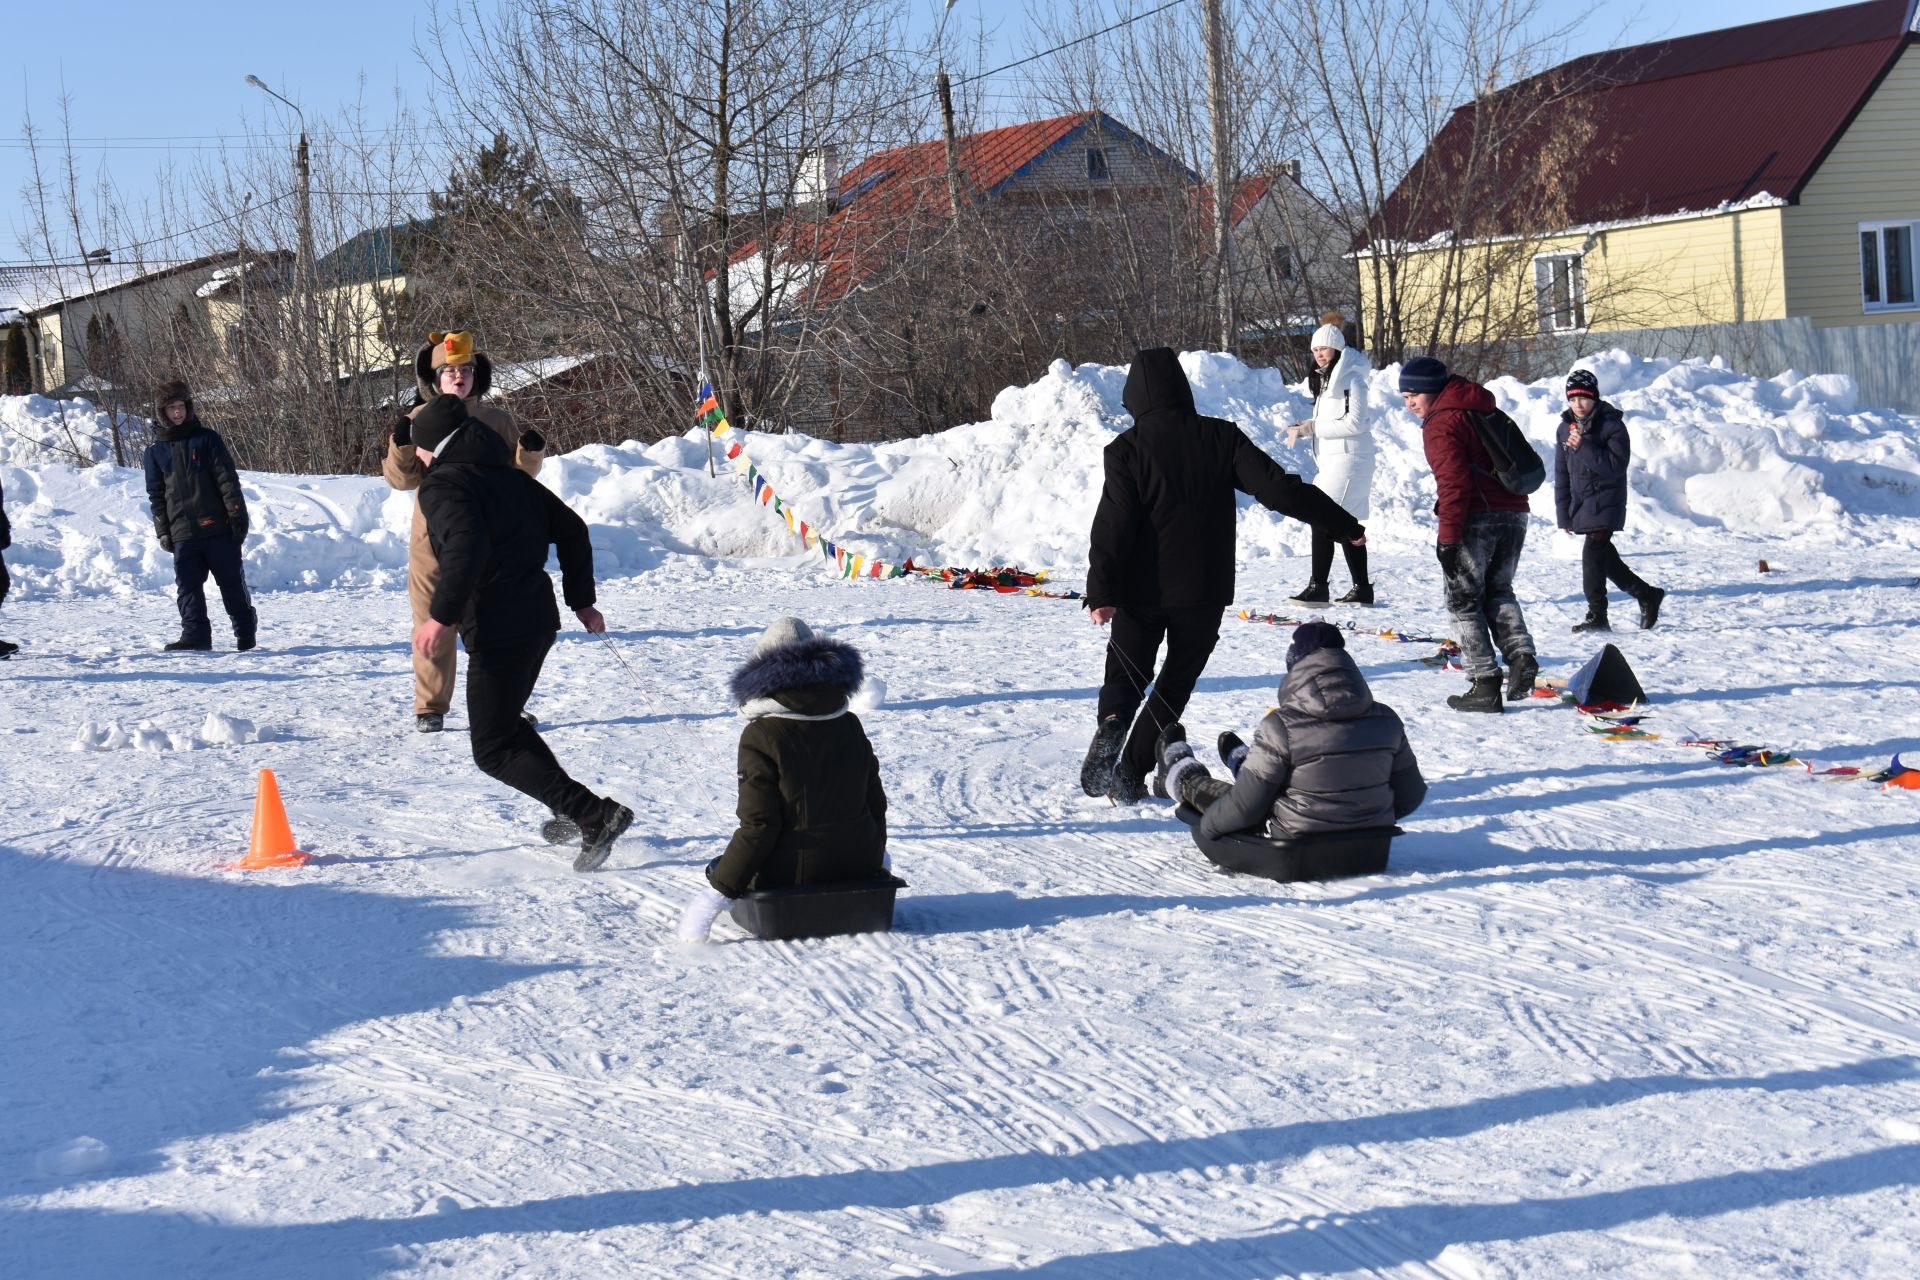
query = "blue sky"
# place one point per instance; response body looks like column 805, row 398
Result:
column 150, row 84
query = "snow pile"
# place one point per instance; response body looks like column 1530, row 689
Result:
column 35, row 430
column 80, row 1158
column 1715, row 453
column 218, row 729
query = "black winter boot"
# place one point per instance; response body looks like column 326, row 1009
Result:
column 1596, row 620
column 1650, row 607
column 1169, row 748
column 1362, row 593
column 184, row 645
column 1096, row 771
column 1128, row 787
column 8, row 648
column 598, row 833
column 1521, row 673
column 1233, row 752
column 1482, row 695
column 559, row 829
column 1314, row 592
column 429, row 722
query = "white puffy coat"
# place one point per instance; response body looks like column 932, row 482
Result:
column 1343, row 434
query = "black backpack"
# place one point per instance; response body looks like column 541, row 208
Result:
column 1516, row 463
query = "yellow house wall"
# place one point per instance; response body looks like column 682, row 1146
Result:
column 1872, row 174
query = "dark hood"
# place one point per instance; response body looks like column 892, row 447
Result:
column 1157, row 384
column 423, row 373
column 475, row 443
column 818, row 665
column 1326, row 685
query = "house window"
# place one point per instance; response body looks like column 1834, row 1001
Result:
column 1560, row 284
column 1285, row 267
column 1096, row 164
column 1886, row 266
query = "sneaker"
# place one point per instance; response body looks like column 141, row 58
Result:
column 1482, row 695
column 1233, row 751
column 598, row 834
column 1521, row 673
column 8, row 648
column 1592, row 622
column 1096, row 771
column 1362, row 593
column 184, row 645
column 429, row 722
column 559, row 829
column 1650, row 608
column 1312, row 593
column 1168, row 749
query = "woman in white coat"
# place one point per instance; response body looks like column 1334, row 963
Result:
column 1341, row 430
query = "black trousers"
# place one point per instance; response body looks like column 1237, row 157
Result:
column 6, row 583
column 1323, row 558
column 500, row 679
column 1600, row 562
column 1190, row 634
column 193, row 560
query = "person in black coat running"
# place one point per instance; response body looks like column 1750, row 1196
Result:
column 1161, row 562
column 1590, row 458
column 200, row 515
column 491, row 524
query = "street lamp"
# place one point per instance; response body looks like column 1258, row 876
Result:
column 306, row 181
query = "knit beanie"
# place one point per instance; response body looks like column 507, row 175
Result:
column 1311, row 637
column 1423, row 374
column 1329, row 334
column 434, row 424
column 1582, row 381
column 450, row 348
column 781, row 632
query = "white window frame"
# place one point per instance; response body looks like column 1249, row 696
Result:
column 1547, row 316
column 1877, row 230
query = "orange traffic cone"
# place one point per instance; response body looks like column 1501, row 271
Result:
column 272, row 838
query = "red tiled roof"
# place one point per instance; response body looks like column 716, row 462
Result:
column 1692, row 123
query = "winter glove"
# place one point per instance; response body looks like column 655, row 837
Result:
column 403, row 430
column 532, row 441
column 700, row 914
column 1449, row 556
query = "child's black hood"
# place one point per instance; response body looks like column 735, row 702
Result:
column 815, row 661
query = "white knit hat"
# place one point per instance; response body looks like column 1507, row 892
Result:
column 1329, row 335
column 782, row 631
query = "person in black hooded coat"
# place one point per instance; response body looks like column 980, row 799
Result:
column 1161, row 563
column 7, row 647
column 200, row 516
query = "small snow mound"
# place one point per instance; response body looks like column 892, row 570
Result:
column 220, row 729
column 870, row 696
column 445, row 1205
column 75, row 1159
column 1899, row 1130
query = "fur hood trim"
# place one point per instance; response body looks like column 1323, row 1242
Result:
column 819, row 660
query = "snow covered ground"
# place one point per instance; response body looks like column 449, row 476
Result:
column 1615, row 1010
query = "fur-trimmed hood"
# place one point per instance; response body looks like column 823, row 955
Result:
column 829, row 670
column 423, row 373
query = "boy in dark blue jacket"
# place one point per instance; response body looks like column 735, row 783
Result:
column 200, row 516
column 1590, row 458
column 7, row 647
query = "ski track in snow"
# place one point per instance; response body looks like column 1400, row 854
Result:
column 1615, row 1009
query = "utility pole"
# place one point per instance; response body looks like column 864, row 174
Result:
column 1213, row 29
column 945, row 87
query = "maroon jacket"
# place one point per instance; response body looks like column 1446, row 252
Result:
column 1461, row 467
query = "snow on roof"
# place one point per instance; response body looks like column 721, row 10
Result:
column 27, row 289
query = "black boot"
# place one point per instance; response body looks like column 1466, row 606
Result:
column 1362, row 593
column 1650, row 607
column 1596, row 620
column 429, row 722
column 598, row 833
column 559, row 829
column 1128, row 787
column 1314, row 592
column 189, row 646
column 1521, row 673
column 1096, row 771
column 1170, row 748
column 1233, row 752
column 1482, row 695
column 8, row 648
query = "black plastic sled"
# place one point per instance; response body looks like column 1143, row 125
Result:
column 1331, row 856
column 818, row 910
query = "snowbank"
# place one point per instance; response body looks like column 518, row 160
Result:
column 1716, row 453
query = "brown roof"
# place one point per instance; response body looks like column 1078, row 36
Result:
column 1693, row 123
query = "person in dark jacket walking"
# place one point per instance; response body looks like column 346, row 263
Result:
column 812, row 810
column 200, row 515
column 1483, row 527
column 1161, row 562
column 1590, row 458
column 7, row 647
column 1327, row 758
column 490, row 525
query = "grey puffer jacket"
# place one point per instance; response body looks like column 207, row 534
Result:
column 1328, row 758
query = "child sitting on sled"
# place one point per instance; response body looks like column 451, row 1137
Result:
column 1328, row 758
column 811, row 809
